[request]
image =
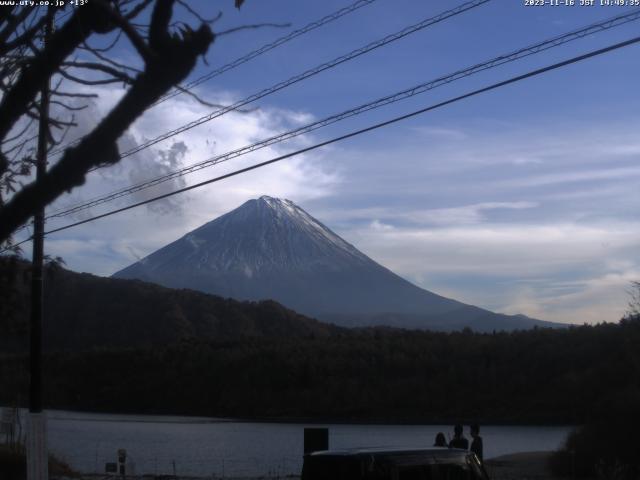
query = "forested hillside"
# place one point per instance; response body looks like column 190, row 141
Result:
column 84, row 311
column 127, row 346
column 539, row 376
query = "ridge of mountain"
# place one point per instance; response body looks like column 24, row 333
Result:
column 270, row 248
column 84, row 312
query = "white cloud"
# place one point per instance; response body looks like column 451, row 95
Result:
column 571, row 177
column 466, row 214
column 127, row 236
column 378, row 226
column 450, row 216
column 497, row 249
column 521, row 266
column 441, row 132
column 596, row 299
column 520, row 221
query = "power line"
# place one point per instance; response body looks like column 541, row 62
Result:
column 376, row 126
column 402, row 95
column 307, row 74
column 269, row 46
column 312, row 72
column 250, row 56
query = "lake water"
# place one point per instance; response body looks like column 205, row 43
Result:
column 207, row 447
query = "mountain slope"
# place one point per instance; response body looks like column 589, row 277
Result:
column 83, row 311
column 272, row 249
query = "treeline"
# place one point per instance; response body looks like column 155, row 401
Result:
column 572, row 376
column 83, row 311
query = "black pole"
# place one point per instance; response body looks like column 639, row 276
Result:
column 35, row 358
column 316, row 439
column 37, row 453
column 35, row 363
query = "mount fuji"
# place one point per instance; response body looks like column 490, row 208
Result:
column 270, row 248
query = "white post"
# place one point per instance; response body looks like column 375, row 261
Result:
column 37, row 455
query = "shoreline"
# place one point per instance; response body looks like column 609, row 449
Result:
column 186, row 418
column 515, row 466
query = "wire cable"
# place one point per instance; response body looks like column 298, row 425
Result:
column 307, row 74
column 402, row 95
column 311, row 72
column 249, row 56
column 370, row 128
column 269, row 46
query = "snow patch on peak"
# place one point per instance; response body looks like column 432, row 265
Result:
column 276, row 203
column 194, row 241
column 248, row 271
column 288, row 209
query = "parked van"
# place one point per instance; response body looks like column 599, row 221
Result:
column 384, row 464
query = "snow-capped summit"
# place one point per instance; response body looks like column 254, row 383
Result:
column 259, row 237
column 270, row 248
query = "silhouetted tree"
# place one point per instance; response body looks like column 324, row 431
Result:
column 168, row 53
column 633, row 311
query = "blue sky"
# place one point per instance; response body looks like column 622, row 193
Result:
column 522, row 200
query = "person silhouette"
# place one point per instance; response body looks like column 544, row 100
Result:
column 476, row 443
column 458, row 440
column 440, row 440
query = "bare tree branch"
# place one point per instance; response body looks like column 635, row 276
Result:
column 76, row 95
column 19, row 134
column 99, row 147
column 20, row 39
column 197, row 98
column 252, row 27
column 82, row 81
column 15, row 103
column 68, row 107
column 137, row 9
column 199, row 17
column 108, row 60
column 109, row 46
column 13, row 21
column 115, row 73
column 134, row 37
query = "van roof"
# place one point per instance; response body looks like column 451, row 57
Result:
column 345, row 463
column 439, row 452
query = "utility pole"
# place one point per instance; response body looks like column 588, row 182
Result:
column 37, row 452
